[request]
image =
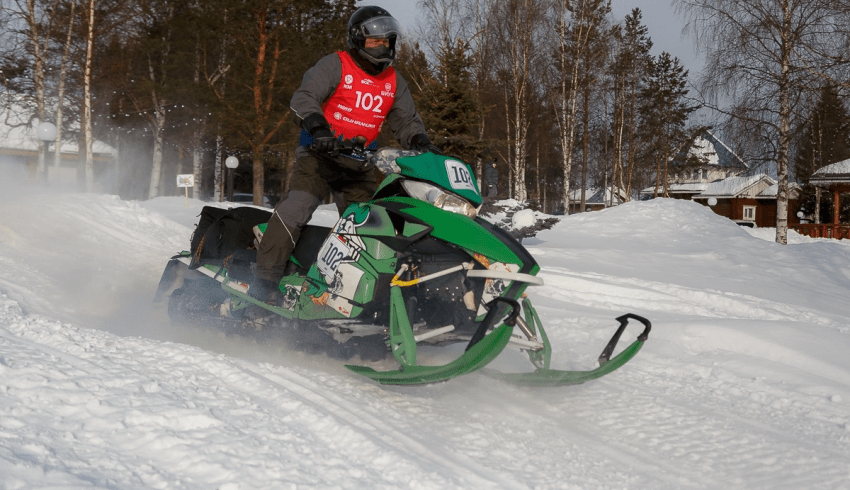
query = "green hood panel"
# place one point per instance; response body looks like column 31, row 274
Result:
column 457, row 229
column 449, row 173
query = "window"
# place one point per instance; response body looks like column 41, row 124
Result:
column 750, row 213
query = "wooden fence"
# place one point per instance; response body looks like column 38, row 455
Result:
column 823, row 230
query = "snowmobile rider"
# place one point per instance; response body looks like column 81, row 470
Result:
column 346, row 94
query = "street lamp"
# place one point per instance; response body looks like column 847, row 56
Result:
column 46, row 132
column 231, row 163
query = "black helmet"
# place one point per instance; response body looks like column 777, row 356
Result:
column 373, row 23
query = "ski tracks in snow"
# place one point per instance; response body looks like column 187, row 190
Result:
column 379, row 441
column 162, row 415
column 738, row 410
column 617, row 293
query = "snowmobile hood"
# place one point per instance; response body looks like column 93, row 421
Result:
column 477, row 236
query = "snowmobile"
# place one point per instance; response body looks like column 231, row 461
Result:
column 414, row 266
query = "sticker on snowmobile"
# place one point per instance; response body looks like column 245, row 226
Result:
column 343, row 244
column 346, row 280
column 343, row 288
column 494, row 288
column 333, row 251
column 459, row 176
column 290, row 297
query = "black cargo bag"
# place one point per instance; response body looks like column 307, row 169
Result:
column 226, row 237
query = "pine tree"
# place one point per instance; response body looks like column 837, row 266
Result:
column 665, row 112
column 449, row 106
column 630, row 67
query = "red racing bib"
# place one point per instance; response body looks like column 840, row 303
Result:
column 360, row 102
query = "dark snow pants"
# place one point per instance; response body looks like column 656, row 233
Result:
column 312, row 178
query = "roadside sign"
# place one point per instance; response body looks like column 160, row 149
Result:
column 186, row 180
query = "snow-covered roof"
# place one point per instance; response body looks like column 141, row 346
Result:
column 773, row 190
column 595, row 195
column 836, row 173
column 711, row 151
column 842, row 167
column 734, row 186
column 685, row 187
column 674, row 188
column 16, row 134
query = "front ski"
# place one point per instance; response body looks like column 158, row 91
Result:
column 483, row 347
column 473, row 359
column 544, row 376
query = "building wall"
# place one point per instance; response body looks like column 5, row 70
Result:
column 765, row 210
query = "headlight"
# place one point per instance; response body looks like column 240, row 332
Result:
column 439, row 198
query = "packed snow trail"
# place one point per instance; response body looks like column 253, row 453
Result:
column 744, row 382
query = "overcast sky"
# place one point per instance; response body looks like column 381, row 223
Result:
column 664, row 25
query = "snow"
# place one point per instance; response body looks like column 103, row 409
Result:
column 733, row 186
column 522, row 219
column 743, row 383
column 842, row 167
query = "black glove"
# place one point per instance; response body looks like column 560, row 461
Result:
column 421, row 142
column 324, row 141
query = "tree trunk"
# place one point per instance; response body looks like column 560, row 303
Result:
column 585, row 136
column 218, row 181
column 60, row 97
column 784, row 128
column 156, row 170
column 86, row 152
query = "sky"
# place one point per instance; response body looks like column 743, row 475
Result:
column 744, row 381
column 664, row 25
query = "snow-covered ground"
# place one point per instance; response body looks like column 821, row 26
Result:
column 744, row 382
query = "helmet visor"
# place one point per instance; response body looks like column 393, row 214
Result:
column 382, row 27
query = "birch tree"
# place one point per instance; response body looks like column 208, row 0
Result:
column 577, row 24
column 755, row 59
column 477, row 16
column 518, row 27
column 631, row 63
column 63, row 76
column 86, row 125
column 33, row 21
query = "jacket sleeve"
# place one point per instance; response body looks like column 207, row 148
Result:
column 318, row 83
column 403, row 119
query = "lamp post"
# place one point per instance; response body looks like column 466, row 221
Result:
column 231, row 163
column 46, row 132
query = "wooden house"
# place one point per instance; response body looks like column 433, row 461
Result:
column 749, row 201
column 705, row 159
column 835, row 178
column 595, row 199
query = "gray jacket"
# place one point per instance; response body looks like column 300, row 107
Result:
column 321, row 80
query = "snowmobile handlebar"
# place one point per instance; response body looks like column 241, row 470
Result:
column 624, row 321
column 353, row 146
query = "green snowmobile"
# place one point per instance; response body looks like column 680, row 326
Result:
column 414, row 266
